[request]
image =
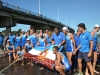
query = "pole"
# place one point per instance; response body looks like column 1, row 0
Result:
column 58, row 13
column 39, row 7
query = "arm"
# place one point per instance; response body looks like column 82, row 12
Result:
column 9, row 51
column 92, row 34
column 91, row 46
column 57, row 63
column 63, row 37
column 72, row 37
column 51, row 39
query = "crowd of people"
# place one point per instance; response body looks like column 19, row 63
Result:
column 82, row 46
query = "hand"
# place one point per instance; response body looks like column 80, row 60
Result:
column 59, row 45
column 74, row 53
column 53, row 42
column 13, row 51
column 89, row 54
column 75, row 50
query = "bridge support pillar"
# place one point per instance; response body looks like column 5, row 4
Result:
column 8, row 29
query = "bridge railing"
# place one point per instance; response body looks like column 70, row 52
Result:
column 25, row 11
column 16, row 8
column 8, row 5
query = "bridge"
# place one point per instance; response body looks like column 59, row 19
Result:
column 10, row 15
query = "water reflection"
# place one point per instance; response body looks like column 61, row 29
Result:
column 18, row 69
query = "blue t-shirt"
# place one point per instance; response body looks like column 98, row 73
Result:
column 58, row 38
column 85, row 41
column 77, row 40
column 95, row 42
column 23, row 39
column 34, row 39
column 48, row 39
column 1, row 39
column 12, row 39
column 18, row 41
column 41, row 42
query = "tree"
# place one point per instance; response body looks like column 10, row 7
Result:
column 98, row 35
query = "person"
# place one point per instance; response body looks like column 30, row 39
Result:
column 11, row 37
column 70, row 48
column 86, row 46
column 77, row 43
column 28, row 34
column 95, row 44
column 42, row 41
column 10, row 50
column 28, row 45
column 46, row 32
column 40, row 33
column 23, row 38
column 18, row 40
column 49, row 37
column 58, row 38
column 61, row 62
column 20, row 55
column 2, row 39
column 33, row 37
column 27, row 48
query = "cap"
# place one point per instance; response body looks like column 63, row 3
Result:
column 28, row 39
column 22, row 30
column 65, row 28
column 8, row 40
column 96, row 25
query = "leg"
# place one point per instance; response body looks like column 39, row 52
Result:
column 60, row 69
column 2, row 48
column 90, row 67
column 14, row 56
column 86, row 73
column 80, row 65
column 9, row 58
column 94, row 61
column 88, row 62
column 69, row 56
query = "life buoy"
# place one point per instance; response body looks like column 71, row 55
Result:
column 43, row 54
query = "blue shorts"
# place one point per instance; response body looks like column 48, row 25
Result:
column 10, row 54
column 23, row 43
column 69, row 49
column 1, row 46
column 84, row 55
column 94, row 50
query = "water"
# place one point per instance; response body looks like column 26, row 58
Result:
column 18, row 69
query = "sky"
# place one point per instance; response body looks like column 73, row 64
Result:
column 77, row 11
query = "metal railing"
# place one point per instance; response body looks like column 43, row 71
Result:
column 16, row 8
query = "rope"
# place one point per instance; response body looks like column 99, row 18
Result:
column 8, row 66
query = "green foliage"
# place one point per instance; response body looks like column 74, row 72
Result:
column 98, row 35
column 19, row 31
column 14, row 16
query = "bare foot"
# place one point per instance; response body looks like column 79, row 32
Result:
column 41, row 68
column 87, row 74
column 22, row 64
column 28, row 63
column 32, row 64
column 96, row 72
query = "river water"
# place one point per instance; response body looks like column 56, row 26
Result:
column 18, row 69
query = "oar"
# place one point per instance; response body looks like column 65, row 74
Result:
column 8, row 66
